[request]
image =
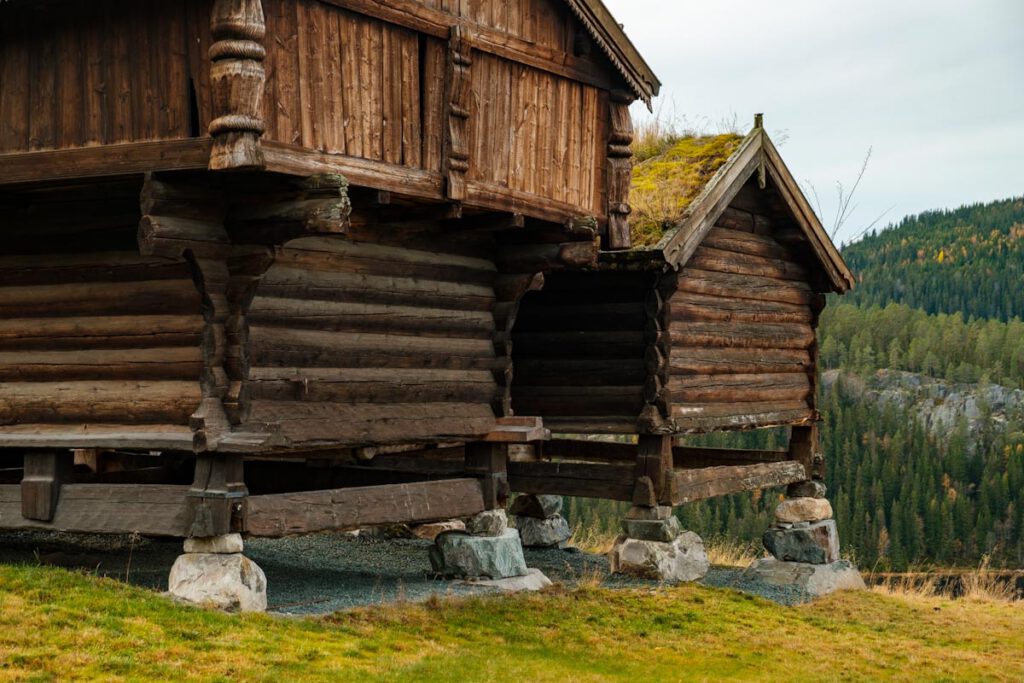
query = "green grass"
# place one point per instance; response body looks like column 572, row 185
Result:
column 56, row 624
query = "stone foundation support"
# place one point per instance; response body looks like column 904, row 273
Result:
column 654, row 546
column 213, row 572
column 540, row 522
column 804, row 545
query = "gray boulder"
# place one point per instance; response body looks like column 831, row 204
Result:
column 533, row 580
column 806, row 489
column 538, row 507
column 684, row 559
column 816, row 543
column 494, row 557
column 488, row 523
column 644, row 512
column 229, row 543
column 664, row 530
column 813, row 579
column 543, row 533
column 229, row 582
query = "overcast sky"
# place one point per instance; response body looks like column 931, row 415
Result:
column 935, row 87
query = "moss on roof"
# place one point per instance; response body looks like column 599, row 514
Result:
column 664, row 185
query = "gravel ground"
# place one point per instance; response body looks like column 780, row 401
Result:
column 324, row 573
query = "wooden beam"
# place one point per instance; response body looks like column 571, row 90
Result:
column 805, row 448
column 518, row 430
column 282, row 157
column 350, row 508
column 106, row 508
column 689, row 457
column 105, row 160
column 217, row 496
column 44, row 474
column 489, row 462
column 710, row 482
column 653, row 474
column 587, row 480
column 586, row 450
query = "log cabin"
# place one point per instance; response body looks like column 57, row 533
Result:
column 261, row 255
column 706, row 322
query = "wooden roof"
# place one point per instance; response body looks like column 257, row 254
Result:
column 610, row 36
column 756, row 154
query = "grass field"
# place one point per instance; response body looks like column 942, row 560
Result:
column 56, row 624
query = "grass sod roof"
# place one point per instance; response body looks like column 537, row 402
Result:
column 664, row 185
column 678, row 191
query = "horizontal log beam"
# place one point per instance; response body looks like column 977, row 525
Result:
column 588, row 450
column 689, row 457
column 709, row 482
column 106, row 508
column 93, row 435
column 283, row 514
column 692, row 360
column 613, row 482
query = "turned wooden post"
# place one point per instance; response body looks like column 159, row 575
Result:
column 459, row 89
column 620, row 170
column 217, row 499
column 237, row 79
column 489, row 462
column 654, row 471
column 44, row 473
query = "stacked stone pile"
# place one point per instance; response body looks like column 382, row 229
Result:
column 804, row 544
column 654, row 546
column 487, row 549
column 540, row 522
column 213, row 572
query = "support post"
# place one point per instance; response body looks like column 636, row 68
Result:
column 620, row 170
column 488, row 461
column 44, row 473
column 218, row 495
column 805, row 448
column 654, row 471
column 459, row 89
column 237, row 80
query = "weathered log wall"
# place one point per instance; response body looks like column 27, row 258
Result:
column 94, row 339
column 578, row 350
column 742, row 320
column 103, row 72
column 359, row 343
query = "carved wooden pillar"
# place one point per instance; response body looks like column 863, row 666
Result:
column 620, row 170
column 459, row 88
column 237, row 79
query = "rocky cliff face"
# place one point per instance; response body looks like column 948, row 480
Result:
column 938, row 404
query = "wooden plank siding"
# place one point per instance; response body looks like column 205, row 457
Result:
column 742, row 319
column 344, row 83
column 536, row 133
column 102, row 73
column 357, row 343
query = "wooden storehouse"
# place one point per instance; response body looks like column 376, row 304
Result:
column 261, row 258
column 711, row 326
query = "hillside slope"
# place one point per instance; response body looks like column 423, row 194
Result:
column 60, row 625
column 968, row 260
